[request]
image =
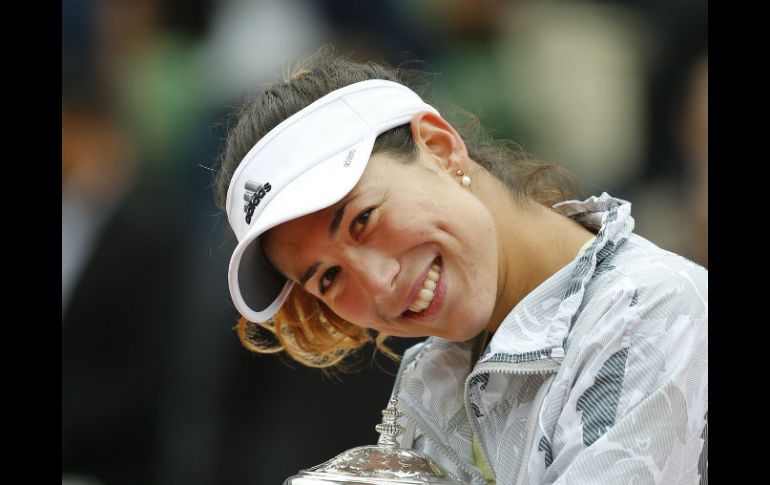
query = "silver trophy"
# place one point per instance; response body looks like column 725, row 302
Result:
column 381, row 464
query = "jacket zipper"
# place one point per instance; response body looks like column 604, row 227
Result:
column 542, row 366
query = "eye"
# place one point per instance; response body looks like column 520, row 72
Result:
column 361, row 220
column 327, row 279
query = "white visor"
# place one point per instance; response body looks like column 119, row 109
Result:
column 308, row 162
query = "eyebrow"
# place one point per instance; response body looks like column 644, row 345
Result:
column 337, row 219
column 309, row 273
column 334, row 227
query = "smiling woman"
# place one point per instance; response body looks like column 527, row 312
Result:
column 559, row 339
column 305, row 327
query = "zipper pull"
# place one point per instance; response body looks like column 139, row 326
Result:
column 557, row 353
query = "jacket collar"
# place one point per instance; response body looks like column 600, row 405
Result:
column 537, row 327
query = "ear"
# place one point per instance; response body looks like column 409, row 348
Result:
column 439, row 140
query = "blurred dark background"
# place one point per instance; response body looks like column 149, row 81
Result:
column 155, row 385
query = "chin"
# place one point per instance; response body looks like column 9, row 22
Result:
column 473, row 323
column 471, row 327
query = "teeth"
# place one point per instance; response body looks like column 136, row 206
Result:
column 425, row 297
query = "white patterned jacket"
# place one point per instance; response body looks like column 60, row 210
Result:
column 598, row 376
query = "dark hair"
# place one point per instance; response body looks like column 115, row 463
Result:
column 305, row 327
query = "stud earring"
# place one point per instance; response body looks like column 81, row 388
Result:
column 466, row 181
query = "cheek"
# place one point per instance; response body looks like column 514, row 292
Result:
column 403, row 224
column 476, row 277
column 354, row 308
column 481, row 278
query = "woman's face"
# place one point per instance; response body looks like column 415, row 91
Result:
column 372, row 257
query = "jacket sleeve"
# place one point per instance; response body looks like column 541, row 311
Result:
column 636, row 411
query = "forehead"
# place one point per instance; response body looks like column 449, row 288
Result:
column 297, row 234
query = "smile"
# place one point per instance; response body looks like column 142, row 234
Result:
column 427, row 298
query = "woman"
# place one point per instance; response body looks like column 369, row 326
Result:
column 563, row 348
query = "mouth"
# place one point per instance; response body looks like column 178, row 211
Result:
column 427, row 296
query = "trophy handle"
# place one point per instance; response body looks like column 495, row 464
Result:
column 388, row 429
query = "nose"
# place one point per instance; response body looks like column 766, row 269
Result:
column 374, row 270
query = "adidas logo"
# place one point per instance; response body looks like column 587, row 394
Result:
column 252, row 196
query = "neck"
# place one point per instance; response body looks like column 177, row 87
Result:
column 534, row 242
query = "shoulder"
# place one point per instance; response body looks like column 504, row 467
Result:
column 641, row 257
column 651, row 279
column 645, row 297
column 644, row 315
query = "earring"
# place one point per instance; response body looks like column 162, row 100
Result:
column 466, row 181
